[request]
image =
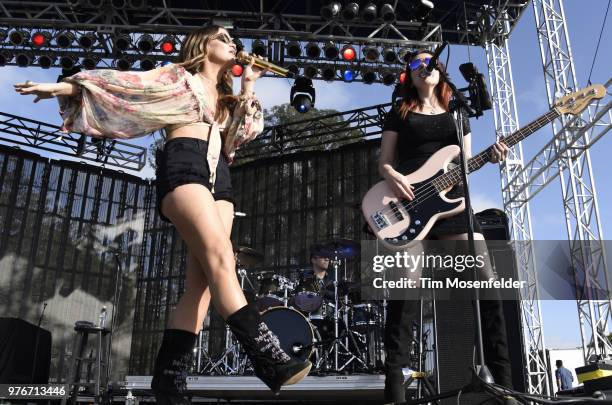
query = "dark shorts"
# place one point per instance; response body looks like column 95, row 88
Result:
column 183, row 161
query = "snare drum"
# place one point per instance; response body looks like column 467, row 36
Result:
column 293, row 330
column 308, row 298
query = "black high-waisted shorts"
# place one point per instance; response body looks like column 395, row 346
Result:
column 183, row 161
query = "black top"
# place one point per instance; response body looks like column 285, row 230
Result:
column 421, row 135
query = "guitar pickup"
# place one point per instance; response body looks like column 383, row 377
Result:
column 396, row 211
column 380, row 220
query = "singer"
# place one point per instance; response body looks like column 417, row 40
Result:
column 204, row 124
column 412, row 132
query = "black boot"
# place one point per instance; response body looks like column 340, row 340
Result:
column 271, row 364
column 495, row 341
column 395, row 392
column 169, row 382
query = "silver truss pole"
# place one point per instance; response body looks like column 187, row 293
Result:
column 577, row 183
column 506, row 122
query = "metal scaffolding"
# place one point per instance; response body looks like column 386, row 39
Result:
column 506, row 122
column 577, row 181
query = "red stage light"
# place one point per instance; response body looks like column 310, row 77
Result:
column 39, row 39
column 348, row 53
column 402, row 77
column 167, row 47
column 237, row 70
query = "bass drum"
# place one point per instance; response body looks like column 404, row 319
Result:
column 293, row 330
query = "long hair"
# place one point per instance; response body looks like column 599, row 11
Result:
column 191, row 55
column 410, row 96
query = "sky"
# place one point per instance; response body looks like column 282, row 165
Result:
column 584, row 21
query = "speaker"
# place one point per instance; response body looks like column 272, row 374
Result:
column 455, row 322
column 25, row 352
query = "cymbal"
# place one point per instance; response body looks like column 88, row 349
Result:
column 247, row 256
column 340, row 248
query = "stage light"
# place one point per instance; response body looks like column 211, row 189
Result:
column 348, row 75
column 295, row 69
column 237, row 70
column 146, row 43
column 294, row 50
column 122, row 42
column 387, row 13
column 259, row 48
column 389, row 55
column 405, row 54
column 123, row 63
column 168, row 45
column 402, row 77
column 331, row 51
column 23, row 59
column 368, row 14
column 328, row 73
column 67, row 62
column 5, row 57
column 331, row 10
column 64, row 39
column 371, row 53
column 348, row 53
column 40, row 39
column 388, row 77
column 312, row 50
column 19, row 37
column 311, row 71
column 350, row 11
column 422, row 9
column 89, row 62
column 87, row 41
column 147, row 64
column 46, row 61
column 239, row 44
column 368, row 76
column 302, row 95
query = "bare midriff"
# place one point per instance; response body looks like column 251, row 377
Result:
column 200, row 130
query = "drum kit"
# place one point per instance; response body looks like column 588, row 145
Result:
column 322, row 321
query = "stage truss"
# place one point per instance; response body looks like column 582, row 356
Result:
column 480, row 23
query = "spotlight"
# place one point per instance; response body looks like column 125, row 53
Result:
column 312, row 50
column 311, row 71
column 5, row 57
column 302, row 95
column 331, row 51
column 368, row 76
column 389, row 55
column 348, row 75
column 146, row 43
column 22, row 59
column 19, row 37
column 168, row 45
column 387, row 13
column 294, row 50
column 87, row 41
column 331, row 10
column 67, row 62
column 328, row 73
column 259, row 48
column 405, row 54
column 294, row 69
column 123, row 63
column 388, row 78
column 350, row 11
column 239, row 44
column 422, row 9
column 348, row 53
column 147, row 64
column 89, row 62
column 237, row 70
column 122, row 42
column 368, row 14
column 64, row 39
column 46, row 61
column 40, row 39
column 371, row 53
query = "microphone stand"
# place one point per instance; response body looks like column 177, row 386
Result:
column 34, row 361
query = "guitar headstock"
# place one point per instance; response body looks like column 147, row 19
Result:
column 577, row 101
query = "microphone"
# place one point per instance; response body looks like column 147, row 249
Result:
column 434, row 59
column 245, row 58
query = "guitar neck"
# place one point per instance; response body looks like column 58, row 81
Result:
column 453, row 176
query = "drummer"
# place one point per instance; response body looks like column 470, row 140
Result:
column 318, row 276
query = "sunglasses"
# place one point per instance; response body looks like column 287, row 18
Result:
column 416, row 63
column 223, row 38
